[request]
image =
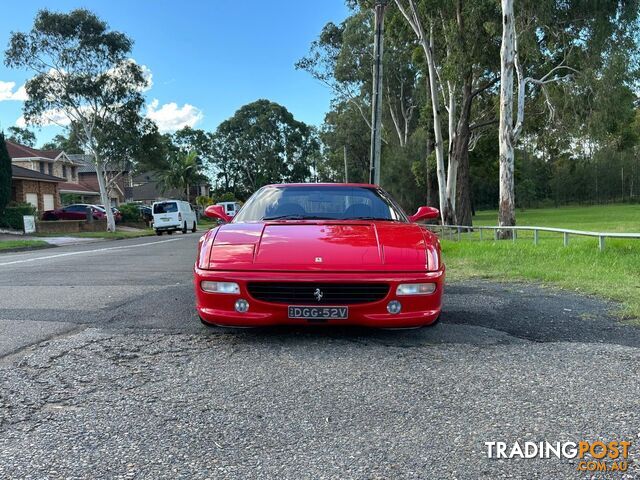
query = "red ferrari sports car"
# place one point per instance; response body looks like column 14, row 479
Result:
column 319, row 253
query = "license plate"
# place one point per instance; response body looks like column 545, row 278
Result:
column 318, row 313
column 165, row 219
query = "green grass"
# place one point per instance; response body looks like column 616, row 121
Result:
column 118, row 235
column 13, row 244
column 608, row 218
column 613, row 274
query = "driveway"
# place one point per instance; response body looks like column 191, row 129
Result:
column 105, row 372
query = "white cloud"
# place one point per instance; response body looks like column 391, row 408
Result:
column 148, row 75
column 169, row 117
column 49, row 118
column 7, row 93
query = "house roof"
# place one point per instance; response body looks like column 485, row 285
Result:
column 22, row 151
column 27, row 174
column 68, row 187
column 51, row 153
column 86, row 165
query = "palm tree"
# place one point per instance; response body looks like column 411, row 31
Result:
column 181, row 173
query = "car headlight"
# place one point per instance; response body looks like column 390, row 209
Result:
column 415, row 289
column 220, row 287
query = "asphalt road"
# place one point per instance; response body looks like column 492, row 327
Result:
column 105, row 372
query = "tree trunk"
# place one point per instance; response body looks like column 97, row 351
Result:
column 428, row 176
column 506, row 214
column 461, row 154
column 104, row 195
column 450, row 217
column 413, row 19
column 438, row 141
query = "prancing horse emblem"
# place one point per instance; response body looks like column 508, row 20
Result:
column 318, row 294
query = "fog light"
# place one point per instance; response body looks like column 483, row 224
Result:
column 394, row 307
column 415, row 288
column 220, row 287
column 242, row 305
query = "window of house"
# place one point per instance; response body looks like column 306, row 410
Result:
column 41, row 167
column 64, row 171
column 50, row 166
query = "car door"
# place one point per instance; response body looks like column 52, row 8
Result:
column 74, row 212
column 188, row 214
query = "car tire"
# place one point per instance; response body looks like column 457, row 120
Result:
column 195, row 227
column 159, row 233
column 184, row 228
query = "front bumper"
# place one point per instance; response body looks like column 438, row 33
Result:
column 417, row 310
column 168, row 226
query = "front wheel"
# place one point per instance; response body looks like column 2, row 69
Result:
column 159, row 233
column 184, row 228
column 195, row 227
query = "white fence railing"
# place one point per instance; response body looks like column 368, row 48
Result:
column 456, row 231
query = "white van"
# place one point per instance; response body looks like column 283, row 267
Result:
column 230, row 208
column 173, row 215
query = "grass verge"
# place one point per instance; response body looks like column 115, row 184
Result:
column 613, row 274
column 118, row 235
column 20, row 244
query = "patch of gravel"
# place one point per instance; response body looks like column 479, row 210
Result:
column 307, row 405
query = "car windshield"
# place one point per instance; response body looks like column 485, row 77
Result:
column 320, row 203
column 165, row 207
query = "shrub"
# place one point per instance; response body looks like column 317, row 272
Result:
column 130, row 212
column 203, row 201
column 13, row 214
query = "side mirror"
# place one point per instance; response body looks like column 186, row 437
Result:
column 425, row 213
column 217, row 211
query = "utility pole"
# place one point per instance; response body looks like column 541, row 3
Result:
column 346, row 171
column 376, row 98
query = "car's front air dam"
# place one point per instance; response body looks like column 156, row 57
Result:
column 417, row 310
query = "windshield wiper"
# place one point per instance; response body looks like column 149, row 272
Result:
column 296, row 217
column 373, row 218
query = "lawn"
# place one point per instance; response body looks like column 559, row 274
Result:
column 608, row 218
column 15, row 244
column 613, row 274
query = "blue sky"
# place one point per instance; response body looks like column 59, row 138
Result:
column 207, row 58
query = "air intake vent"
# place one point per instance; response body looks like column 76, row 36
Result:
column 311, row 293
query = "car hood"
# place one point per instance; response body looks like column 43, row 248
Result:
column 322, row 246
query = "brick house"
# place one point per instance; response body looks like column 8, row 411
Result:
column 88, row 177
column 38, row 189
column 54, row 163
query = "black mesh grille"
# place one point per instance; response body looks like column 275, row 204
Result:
column 300, row 293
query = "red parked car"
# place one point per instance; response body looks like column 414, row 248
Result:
column 77, row 211
column 117, row 215
column 320, row 253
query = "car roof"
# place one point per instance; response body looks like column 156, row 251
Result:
column 346, row 185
